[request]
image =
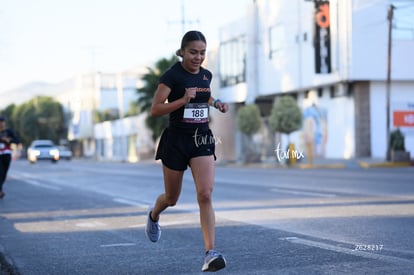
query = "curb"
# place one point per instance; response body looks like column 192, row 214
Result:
column 367, row 165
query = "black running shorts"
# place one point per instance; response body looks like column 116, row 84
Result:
column 176, row 148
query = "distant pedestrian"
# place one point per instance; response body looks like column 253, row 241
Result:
column 7, row 137
column 184, row 93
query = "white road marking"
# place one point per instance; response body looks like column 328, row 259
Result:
column 92, row 224
column 38, row 184
column 137, row 225
column 118, row 244
column 305, row 193
column 130, row 202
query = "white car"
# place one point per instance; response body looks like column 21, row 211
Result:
column 42, row 149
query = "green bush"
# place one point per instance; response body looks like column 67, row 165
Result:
column 248, row 119
column 286, row 116
column 397, row 142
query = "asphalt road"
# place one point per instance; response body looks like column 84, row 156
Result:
column 82, row 217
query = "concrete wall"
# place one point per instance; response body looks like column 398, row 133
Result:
column 352, row 97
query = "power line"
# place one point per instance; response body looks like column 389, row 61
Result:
column 404, row 7
column 184, row 22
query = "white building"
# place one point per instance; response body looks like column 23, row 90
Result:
column 126, row 139
column 331, row 55
column 94, row 92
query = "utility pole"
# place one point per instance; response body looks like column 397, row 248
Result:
column 123, row 140
column 388, row 96
column 184, row 22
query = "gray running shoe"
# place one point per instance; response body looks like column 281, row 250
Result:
column 213, row 261
column 152, row 229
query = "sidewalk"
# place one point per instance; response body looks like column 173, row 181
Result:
column 327, row 163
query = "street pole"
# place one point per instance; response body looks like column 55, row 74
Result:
column 388, row 96
column 183, row 17
column 123, row 137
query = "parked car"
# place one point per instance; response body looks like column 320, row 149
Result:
column 42, row 149
column 64, row 152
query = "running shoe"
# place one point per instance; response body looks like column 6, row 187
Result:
column 213, row 261
column 152, row 229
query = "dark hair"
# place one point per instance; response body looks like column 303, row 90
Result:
column 190, row 36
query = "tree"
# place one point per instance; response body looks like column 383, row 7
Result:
column 397, row 147
column 286, row 116
column 146, row 94
column 8, row 113
column 397, row 140
column 50, row 118
column 39, row 118
column 106, row 115
column 133, row 109
column 24, row 118
column 248, row 119
column 248, row 123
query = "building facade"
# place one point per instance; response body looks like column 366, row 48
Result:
column 332, row 57
column 92, row 93
column 127, row 139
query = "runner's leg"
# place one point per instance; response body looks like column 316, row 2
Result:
column 172, row 184
column 202, row 169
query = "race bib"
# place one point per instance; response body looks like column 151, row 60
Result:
column 196, row 113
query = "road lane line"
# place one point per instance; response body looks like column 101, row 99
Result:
column 42, row 185
column 118, row 244
column 353, row 252
column 305, row 193
column 130, row 202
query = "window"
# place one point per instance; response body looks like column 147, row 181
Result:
column 403, row 21
column 232, row 58
column 108, row 81
column 276, row 40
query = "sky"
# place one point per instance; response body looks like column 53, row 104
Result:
column 53, row 40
